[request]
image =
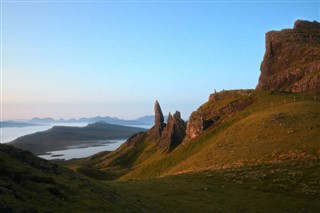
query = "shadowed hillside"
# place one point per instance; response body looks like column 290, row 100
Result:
column 31, row 184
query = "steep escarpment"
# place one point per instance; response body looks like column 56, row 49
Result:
column 292, row 59
column 219, row 108
column 275, row 124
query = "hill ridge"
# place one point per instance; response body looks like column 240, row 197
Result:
column 276, row 124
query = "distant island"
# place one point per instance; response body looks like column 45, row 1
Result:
column 63, row 137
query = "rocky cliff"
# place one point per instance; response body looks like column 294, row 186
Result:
column 217, row 110
column 236, row 128
column 174, row 132
column 168, row 135
column 291, row 63
column 292, row 59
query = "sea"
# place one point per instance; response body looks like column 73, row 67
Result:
column 9, row 134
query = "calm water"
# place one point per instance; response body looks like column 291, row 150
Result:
column 79, row 152
column 11, row 133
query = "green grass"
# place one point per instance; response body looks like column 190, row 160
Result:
column 31, row 184
column 289, row 187
column 275, row 127
column 263, row 158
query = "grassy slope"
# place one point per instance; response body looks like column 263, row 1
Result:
column 267, row 153
column 112, row 165
column 31, row 184
column 273, row 129
column 287, row 187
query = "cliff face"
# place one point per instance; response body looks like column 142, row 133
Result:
column 217, row 110
column 292, row 59
column 173, row 133
column 170, row 135
column 236, row 128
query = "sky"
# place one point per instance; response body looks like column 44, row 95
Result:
column 72, row 59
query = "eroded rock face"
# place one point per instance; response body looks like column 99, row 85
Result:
column 174, row 133
column 158, row 116
column 159, row 121
column 292, row 59
column 170, row 135
column 210, row 113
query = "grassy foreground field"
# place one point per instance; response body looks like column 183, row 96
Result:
column 263, row 158
column 293, row 187
column 30, row 184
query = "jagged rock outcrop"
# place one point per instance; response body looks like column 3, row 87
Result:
column 210, row 113
column 170, row 135
column 158, row 116
column 292, row 59
column 158, row 121
column 174, row 133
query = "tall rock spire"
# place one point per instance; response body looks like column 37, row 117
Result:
column 158, row 120
column 158, row 116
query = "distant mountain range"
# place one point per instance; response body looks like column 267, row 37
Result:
column 145, row 120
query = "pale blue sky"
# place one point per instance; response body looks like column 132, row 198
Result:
column 81, row 58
